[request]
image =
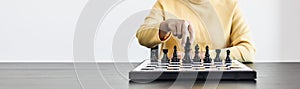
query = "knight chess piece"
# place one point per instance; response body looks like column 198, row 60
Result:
column 187, row 49
column 207, row 58
column 175, row 56
column 218, row 59
column 228, row 59
column 197, row 56
column 165, row 58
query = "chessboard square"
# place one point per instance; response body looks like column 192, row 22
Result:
column 207, row 64
column 151, row 65
column 186, row 64
column 197, row 65
column 174, row 65
column 224, row 68
column 148, row 68
column 173, row 68
column 210, row 67
column 234, row 66
column 163, row 64
column 198, row 68
column 218, row 63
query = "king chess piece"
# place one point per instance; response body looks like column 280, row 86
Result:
column 228, row 59
column 197, row 56
column 187, row 58
column 218, row 59
column 207, row 58
column 165, row 58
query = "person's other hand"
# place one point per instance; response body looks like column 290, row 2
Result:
column 179, row 28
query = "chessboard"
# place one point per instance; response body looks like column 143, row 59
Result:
column 191, row 68
column 148, row 70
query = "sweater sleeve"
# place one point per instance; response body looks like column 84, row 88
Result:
column 241, row 45
column 148, row 33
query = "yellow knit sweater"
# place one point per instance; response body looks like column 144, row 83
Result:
column 217, row 23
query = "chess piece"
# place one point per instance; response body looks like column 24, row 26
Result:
column 207, row 58
column 154, row 54
column 165, row 58
column 175, row 56
column 187, row 49
column 228, row 59
column 197, row 56
column 218, row 59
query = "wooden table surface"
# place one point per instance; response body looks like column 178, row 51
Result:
column 115, row 75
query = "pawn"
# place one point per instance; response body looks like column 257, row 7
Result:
column 197, row 56
column 207, row 58
column 228, row 59
column 165, row 58
column 175, row 57
column 218, row 59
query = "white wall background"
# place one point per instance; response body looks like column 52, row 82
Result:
column 42, row 30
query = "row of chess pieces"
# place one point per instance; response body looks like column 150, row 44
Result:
column 187, row 58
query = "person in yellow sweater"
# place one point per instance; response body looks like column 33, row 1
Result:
column 218, row 24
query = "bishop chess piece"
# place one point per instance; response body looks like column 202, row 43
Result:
column 165, row 58
column 187, row 58
column 228, row 59
column 197, row 56
column 207, row 58
column 175, row 56
column 218, row 59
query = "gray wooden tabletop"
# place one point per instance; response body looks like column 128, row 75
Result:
column 115, row 75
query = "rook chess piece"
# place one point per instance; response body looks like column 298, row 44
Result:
column 228, row 59
column 154, row 54
column 197, row 56
column 187, row 49
column 165, row 58
column 218, row 59
column 207, row 58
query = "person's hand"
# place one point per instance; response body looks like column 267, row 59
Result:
column 179, row 28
